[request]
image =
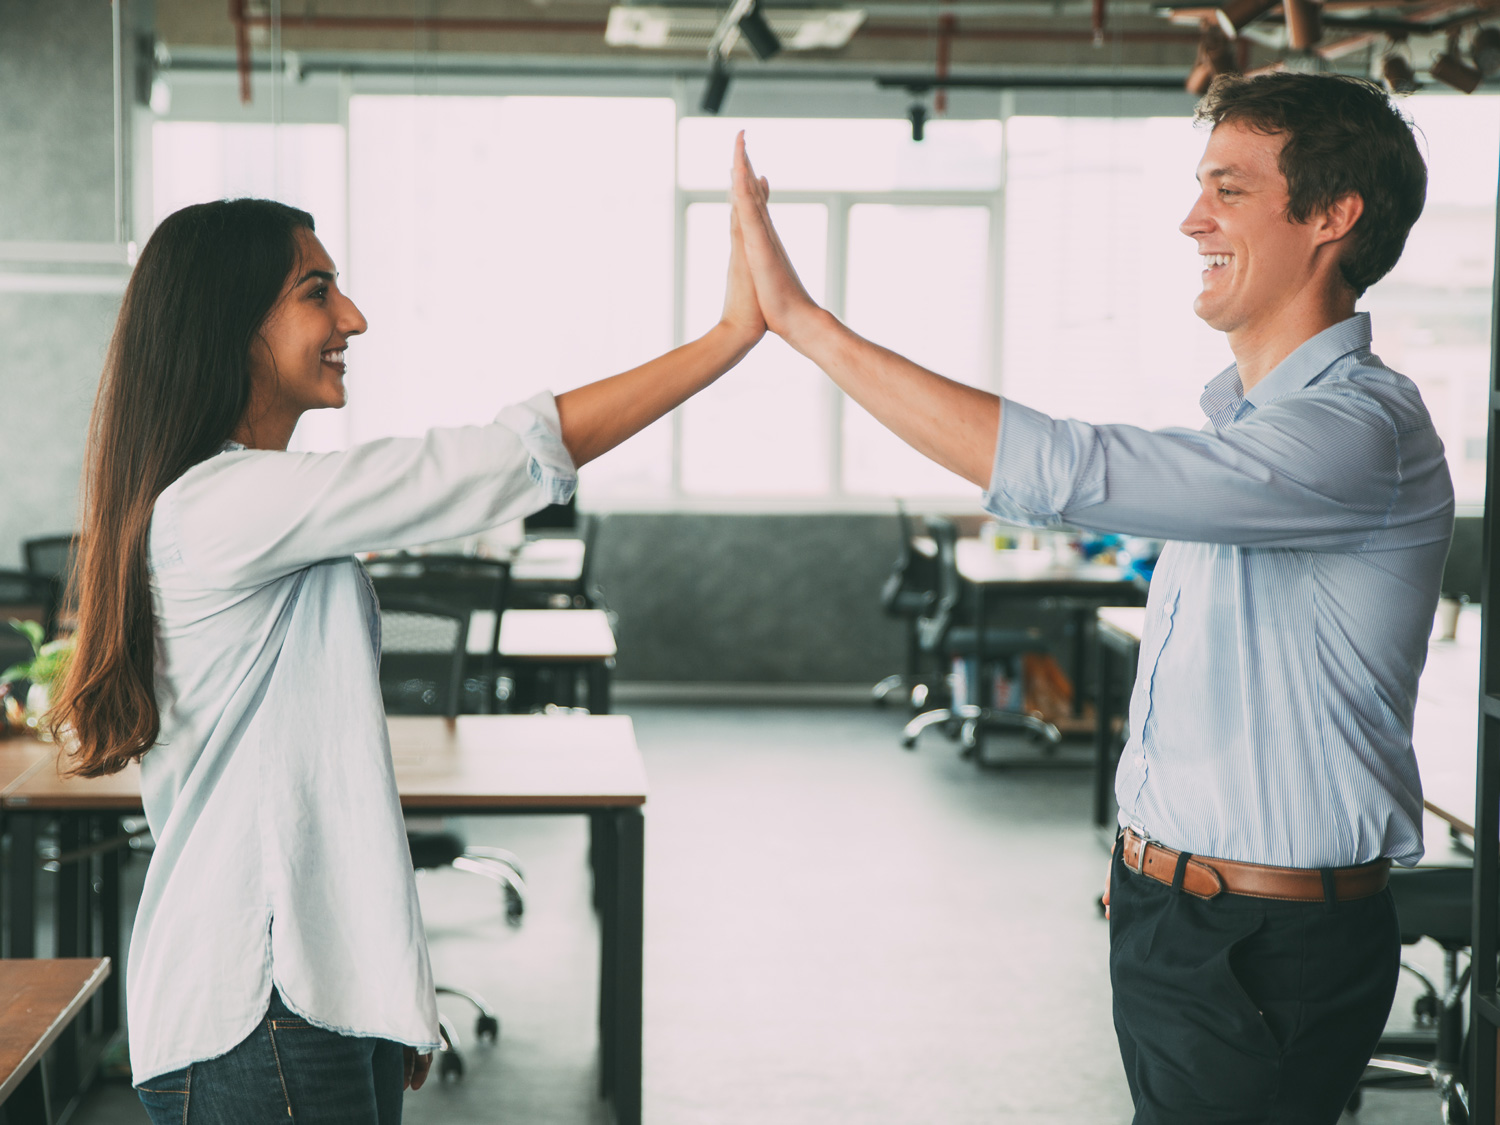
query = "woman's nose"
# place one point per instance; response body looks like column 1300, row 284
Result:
column 351, row 321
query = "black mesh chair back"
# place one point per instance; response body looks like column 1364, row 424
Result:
column 457, row 581
column 554, row 518
column 26, row 597
column 1465, row 565
column 911, row 588
column 422, row 647
column 51, row 555
column 933, row 626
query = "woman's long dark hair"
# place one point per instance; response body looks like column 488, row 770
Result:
column 176, row 383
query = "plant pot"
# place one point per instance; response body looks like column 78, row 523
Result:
column 38, row 702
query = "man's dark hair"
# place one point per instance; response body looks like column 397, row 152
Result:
column 1343, row 136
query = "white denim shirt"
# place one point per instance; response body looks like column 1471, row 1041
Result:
column 281, row 856
column 1287, row 623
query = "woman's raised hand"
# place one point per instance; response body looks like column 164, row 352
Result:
column 742, row 314
column 784, row 303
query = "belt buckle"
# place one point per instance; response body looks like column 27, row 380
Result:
column 1141, row 844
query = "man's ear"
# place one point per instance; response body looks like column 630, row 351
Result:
column 1338, row 220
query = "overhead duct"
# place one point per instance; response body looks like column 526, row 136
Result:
column 692, row 29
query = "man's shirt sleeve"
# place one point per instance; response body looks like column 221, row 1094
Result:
column 1317, row 470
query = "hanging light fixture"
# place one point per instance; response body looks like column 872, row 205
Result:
column 1304, row 24
column 1398, row 74
column 716, row 86
column 1215, row 57
column 1484, row 49
column 758, row 33
column 1450, row 69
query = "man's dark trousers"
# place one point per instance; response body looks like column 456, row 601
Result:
column 1245, row 1011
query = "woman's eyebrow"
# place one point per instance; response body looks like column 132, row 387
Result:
column 322, row 275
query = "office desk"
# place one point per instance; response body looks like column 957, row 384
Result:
column 1445, row 730
column 39, row 1000
column 478, row 765
column 1001, row 576
column 564, row 641
column 546, row 566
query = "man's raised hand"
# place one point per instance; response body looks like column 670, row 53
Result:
column 785, row 304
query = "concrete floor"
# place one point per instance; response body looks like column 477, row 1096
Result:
column 836, row 931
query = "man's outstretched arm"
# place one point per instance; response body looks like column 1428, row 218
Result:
column 954, row 424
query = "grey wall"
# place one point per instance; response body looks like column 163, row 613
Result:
column 750, row 598
column 56, row 185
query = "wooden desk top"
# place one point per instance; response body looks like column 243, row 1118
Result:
column 556, row 634
column 18, row 758
column 984, row 566
column 1445, row 730
column 38, row 999
column 548, row 560
column 488, row 762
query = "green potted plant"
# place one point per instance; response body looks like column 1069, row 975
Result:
column 43, row 672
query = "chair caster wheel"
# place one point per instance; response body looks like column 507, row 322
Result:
column 1356, row 1099
column 450, row 1066
column 908, row 743
column 487, row 1028
column 1104, row 913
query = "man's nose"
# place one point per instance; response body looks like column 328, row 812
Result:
column 1197, row 221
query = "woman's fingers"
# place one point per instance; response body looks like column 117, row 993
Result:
column 421, row 1065
column 777, row 287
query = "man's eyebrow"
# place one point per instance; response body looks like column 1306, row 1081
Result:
column 1218, row 173
column 322, row 275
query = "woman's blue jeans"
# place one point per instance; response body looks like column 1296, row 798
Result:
column 287, row 1070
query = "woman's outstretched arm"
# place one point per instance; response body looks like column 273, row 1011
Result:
column 599, row 416
column 954, row 424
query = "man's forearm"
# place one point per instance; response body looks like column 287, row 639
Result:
column 954, row 424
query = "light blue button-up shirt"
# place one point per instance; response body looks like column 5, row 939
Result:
column 281, row 855
column 1288, row 619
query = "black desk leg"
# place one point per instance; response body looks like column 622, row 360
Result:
column 1080, row 655
column 110, row 933
column 604, row 856
column 630, row 826
column 1104, row 711
column 71, row 916
column 978, row 696
column 22, row 885
column 599, row 676
column 27, row 1105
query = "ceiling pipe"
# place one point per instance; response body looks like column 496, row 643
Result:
column 595, row 27
column 1098, row 23
column 241, row 23
column 947, row 25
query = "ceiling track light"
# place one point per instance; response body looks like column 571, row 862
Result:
column 715, row 87
column 1399, row 75
column 1451, row 70
column 917, row 115
column 1304, row 24
column 758, row 33
column 1215, row 57
column 1484, row 49
column 1235, row 15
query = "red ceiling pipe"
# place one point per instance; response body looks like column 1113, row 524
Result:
column 947, row 25
column 238, row 18
column 1098, row 23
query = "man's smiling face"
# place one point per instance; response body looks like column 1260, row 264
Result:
column 1255, row 259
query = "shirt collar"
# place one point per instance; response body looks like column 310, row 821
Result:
column 1224, row 399
column 231, row 447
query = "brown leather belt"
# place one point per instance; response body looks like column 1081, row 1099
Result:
column 1205, row 877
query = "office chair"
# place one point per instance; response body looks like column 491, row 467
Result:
column 1465, row 563
column 908, row 594
column 52, row 556
column 942, row 640
column 1435, row 902
column 26, row 597
column 460, row 582
column 422, row 654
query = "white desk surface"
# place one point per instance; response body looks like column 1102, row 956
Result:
column 981, row 564
column 548, row 560
column 1445, row 733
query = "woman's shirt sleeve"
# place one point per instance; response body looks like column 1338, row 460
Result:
column 248, row 516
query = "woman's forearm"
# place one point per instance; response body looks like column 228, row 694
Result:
column 599, row 416
column 954, row 424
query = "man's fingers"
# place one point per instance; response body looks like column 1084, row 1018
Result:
column 423, row 1063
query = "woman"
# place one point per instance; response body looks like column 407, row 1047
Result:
column 229, row 641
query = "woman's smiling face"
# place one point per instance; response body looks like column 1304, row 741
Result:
column 297, row 362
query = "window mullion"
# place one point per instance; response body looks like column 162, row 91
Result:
column 835, row 273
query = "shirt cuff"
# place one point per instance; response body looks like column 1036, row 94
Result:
column 1043, row 467
column 536, row 423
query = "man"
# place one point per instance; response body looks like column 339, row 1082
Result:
column 1269, row 779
